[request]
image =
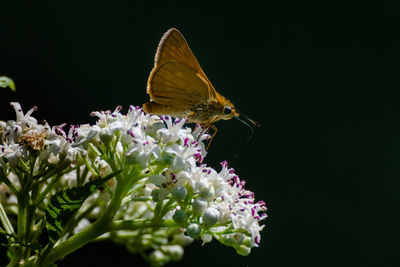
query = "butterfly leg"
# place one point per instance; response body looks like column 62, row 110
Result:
column 211, row 126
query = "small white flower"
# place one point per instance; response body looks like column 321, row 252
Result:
column 85, row 133
column 167, row 181
column 143, row 148
column 59, row 143
column 173, row 132
column 106, row 117
column 184, row 155
column 25, row 121
column 11, row 152
column 207, row 238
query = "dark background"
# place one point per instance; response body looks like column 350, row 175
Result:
column 322, row 79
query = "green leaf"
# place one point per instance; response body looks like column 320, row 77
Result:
column 65, row 203
column 7, row 82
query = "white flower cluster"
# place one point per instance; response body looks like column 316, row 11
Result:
column 163, row 175
column 24, row 137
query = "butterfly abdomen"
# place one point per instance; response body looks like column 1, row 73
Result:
column 158, row 109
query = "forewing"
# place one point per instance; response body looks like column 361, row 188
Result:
column 175, row 83
column 174, row 48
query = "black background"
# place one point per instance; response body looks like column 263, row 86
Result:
column 321, row 77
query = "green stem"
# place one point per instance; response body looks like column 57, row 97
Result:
column 9, row 231
column 22, row 222
column 73, row 223
column 87, row 235
column 22, row 213
column 90, row 233
column 141, row 224
column 45, row 174
column 40, row 198
column 14, row 261
column 54, row 171
column 10, row 185
column 5, row 221
column 89, row 166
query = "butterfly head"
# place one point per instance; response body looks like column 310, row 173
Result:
column 229, row 111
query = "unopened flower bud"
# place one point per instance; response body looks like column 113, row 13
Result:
column 175, row 252
column 155, row 195
column 157, row 258
column 243, row 250
column 199, row 206
column 106, row 136
column 179, row 216
column 208, row 193
column 193, row 230
column 211, row 216
column 182, row 239
column 179, row 193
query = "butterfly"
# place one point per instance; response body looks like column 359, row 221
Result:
column 178, row 86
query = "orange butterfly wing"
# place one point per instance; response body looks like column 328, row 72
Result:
column 177, row 81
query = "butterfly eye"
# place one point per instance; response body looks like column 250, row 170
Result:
column 227, row 110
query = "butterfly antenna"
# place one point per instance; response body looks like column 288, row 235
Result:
column 247, row 118
column 248, row 138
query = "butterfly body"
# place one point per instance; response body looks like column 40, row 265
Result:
column 178, row 86
column 204, row 112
